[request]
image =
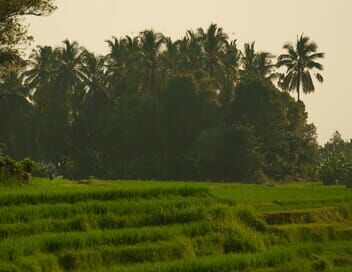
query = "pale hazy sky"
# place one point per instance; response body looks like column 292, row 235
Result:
column 270, row 23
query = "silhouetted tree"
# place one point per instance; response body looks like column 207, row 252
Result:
column 299, row 61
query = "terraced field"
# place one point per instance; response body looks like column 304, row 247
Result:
column 173, row 226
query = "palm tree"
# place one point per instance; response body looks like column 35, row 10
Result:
column 259, row 64
column 96, row 99
column 214, row 42
column 171, row 56
column 265, row 66
column 116, row 63
column 249, row 58
column 43, row 73
column 231, row 61
column 69, row 79
column 190, row 52
column 93, row 77
column 299, row 62
column 123, row 64
column 70, row 58
column 151, row 43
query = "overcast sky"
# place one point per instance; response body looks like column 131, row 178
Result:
column 270, row 23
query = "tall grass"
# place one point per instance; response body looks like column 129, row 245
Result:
column 66, row 196
column 180, row 248
column 86, row 222
column 28, row 213
column 10, row 249
column 227, row 263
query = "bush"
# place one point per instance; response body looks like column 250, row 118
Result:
column 15, row 172
column 336, row 169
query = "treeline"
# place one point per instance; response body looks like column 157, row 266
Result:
column 194, row 109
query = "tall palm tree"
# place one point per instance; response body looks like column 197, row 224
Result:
column 151, row 44
column 134, row 63
column 96, row 99
column 42, row 73
column 231, row 63
column 69, row 79
column 259, row 64
column 191, row 54
column 123, row 65
column 116, row 50
column 265, row 66
column 70, row 58
column 171, row 56
column 231, row 59
column 249, row 58
column 214, row 42
column 93, row 77
column 133, row 49
column 117, row 61
column 299, row 61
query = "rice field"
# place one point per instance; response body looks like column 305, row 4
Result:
column 174, row 226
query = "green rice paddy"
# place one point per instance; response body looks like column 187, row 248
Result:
column 174, row 226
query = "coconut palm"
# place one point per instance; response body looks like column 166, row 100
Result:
column 69, row 77
column 214, row 42
column 117, row 60
column 151, row 44
column 171, row 56
column 95, row 102
column 43, row 73
column 133, row 63
column 190, row 52
column 70, row 58
column 231, row 61
column 249, row 58
column 259, row 64
column 93, row 77
column 265, row 67
column 300, row 61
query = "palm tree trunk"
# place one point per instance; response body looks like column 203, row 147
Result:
column 299, row 88
column 298, row 94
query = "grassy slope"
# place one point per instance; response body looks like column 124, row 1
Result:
column 174, row 226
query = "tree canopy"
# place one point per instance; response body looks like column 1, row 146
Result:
column 155, row 108
column 13, row 29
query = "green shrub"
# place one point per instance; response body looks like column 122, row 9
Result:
column 15, row 172
column 336, row 169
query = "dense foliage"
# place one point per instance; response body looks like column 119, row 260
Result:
column 15, row 172
column 153, row 108
column 13, row 30
column 336, row 161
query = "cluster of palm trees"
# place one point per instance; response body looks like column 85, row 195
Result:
column 152, row 103
column 145, row 64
